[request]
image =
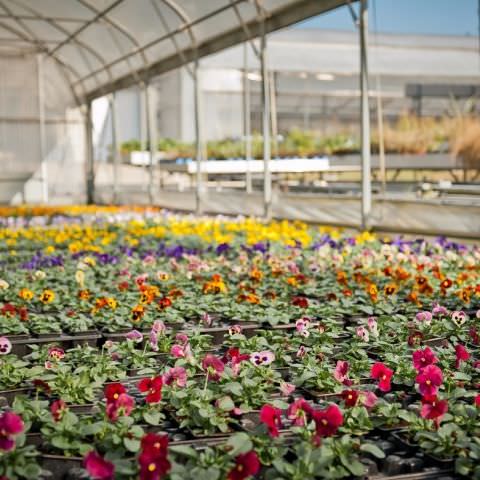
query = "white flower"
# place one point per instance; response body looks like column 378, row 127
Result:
column 3, row 284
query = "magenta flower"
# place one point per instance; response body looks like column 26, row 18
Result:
column 177, row 351
column 425, row 317
column 97, row 467
column 383, row 374
column 181, row 338
column 159, row 327
column 301, row 352
column 177, row 375
column 122, row 406
column 433, row 409
column 153, row 340
column 423, row 358
column 362, row 333
column 135, row 336
column 271, row 417
column 439, row 310
column 341, row 372
column 461, row 354
column 10, row 425
column 213, row 366
column 429, row 380
column 299, row 412
column 369, row 399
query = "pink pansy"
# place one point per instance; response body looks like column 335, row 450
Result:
column 140, row 279
column 425, row 317
column 362, row 333
column 10, row 425
column 135, row 336
column 56, row 353
column 461, row 354
column 287, row 388
column 181, row 338
column 5, row 346
column 369, row 399
column 148, row 260
column 262, row 358
column 176, row 375
column 159, row 327
column 121, row 406
column 177, row 351
column 423, row 358
column 439, row 310
column 302, row 324
column 299, row 412
column 429, row 380
column 206, row 319
column 213, row 367
column 97, row 467
column 153, row 339
column 341, row 372
column 373, row 326
column 301, row 352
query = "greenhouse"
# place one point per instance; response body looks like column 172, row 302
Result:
column 239, row 239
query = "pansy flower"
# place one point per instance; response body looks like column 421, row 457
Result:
column 262, row 358
column 461, row 355
column 423, row 358
column 299, row 412
column 153, row 388
column 327, row 421
column 429, row 380
column 176, row 375
column 383, row 374
column 113, row 391
column 213, row 366
column 97, row 467
column 5, row 346
column 10, row 426
column 272, row 418
column 246, row 465
column 433, row 408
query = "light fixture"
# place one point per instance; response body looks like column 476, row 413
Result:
column 255, row 77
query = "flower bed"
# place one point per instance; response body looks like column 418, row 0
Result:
column 143, row 345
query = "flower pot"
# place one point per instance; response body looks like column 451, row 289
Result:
column 9, row 395
column 59, row 465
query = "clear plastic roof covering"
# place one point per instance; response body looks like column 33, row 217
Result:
column 105, row 45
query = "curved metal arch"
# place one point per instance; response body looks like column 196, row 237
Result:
column 44, row 49
column 184, row 17
column 117, row 26
column 79, row 43
column 179, row 29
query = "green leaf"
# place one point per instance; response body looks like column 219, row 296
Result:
column 183, row 450
column 356, row 467
column 226, row 404
column 131, row 444
column 152, row 417
column 372, row 449
column 239, row 443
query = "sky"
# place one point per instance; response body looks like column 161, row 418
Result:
column 434, row 17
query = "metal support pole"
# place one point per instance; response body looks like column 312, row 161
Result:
column 365, row 118
column 381, row 140
column 267, row 179
column 199, row 142
column 247, row 121
column 115, row 146
column 90, row 173
column 150, row 127
column 273, row 113
column 42, row 136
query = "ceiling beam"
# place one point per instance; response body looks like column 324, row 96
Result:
column 277, row 19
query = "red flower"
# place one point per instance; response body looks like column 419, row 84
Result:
column 213, row 366
column 271, row 417
column 57, row 409
column 299, row 411
column 477, row 400
column 350, row 397
column 42, row 385
column 429, row 379
column 234, row 356
column 247, row 464
column 122, row 406
column 153, row 460
column 327, row 421
column 301, row 302
column 382, row 373
column 154, row 388
column 10, row 425
column 153, row 468
column 97, row 467
column 153, row 444
column 461, row 354
column 113, row 391
column 164, row 303
column 423, row 358
column 433, row 408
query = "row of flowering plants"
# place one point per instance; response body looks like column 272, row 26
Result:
column 137, row 344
